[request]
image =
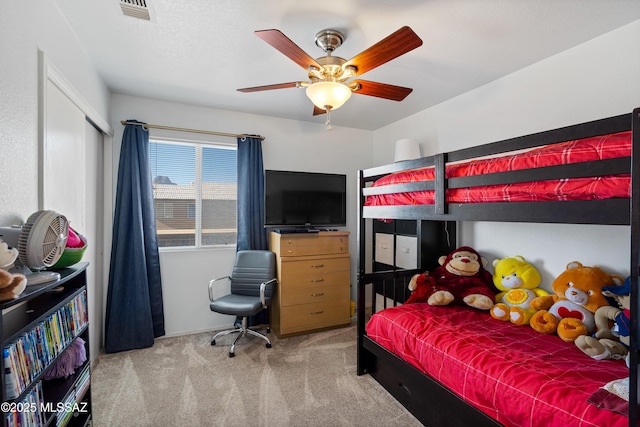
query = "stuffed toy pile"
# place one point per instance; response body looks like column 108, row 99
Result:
column 11, row 285
column 518, row 282
column 460, row 278
column 577, row 295
column 613, row 324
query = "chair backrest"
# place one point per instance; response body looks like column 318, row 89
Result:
column 250, row 270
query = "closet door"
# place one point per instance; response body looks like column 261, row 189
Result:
column 94, row 228
column 64, row 162
column 72, row 184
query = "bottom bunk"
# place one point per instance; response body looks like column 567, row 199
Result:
column 456, row 365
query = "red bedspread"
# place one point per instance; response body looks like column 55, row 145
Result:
column 512, row 373
column 588, row 149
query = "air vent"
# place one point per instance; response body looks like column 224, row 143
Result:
column 135, row 8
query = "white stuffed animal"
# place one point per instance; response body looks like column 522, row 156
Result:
column 11, row 285
column 7, row 255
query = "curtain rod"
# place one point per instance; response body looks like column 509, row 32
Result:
column 208, row 132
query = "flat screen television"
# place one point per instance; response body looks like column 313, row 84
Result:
column 304, row 199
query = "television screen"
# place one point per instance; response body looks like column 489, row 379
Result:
column 304, row 199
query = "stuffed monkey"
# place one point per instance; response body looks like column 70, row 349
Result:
column 460, row 278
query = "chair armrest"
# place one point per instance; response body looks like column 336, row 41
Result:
column 211, row 283
column 263, row 286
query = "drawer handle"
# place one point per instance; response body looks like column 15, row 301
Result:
column 317, row 312
column 317, row 266
column 317, row 295
column 385, row 246
column 317, row 281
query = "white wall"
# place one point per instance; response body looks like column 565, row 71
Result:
column 597, row 79
column 289, row 145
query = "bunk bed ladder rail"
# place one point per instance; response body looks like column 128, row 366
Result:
column 377, row 292
column 634, row 372
column 391, row 285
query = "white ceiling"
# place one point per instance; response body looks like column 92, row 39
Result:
column 200, row 51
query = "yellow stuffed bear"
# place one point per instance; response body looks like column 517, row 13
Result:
column 518, row 282
column 578, row 294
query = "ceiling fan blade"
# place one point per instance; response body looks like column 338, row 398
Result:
column 317, row 111
column 394, row 45
column 291, row 50
column 382, row 90
column 269, row 87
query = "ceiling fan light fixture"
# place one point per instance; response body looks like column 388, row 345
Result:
column 328, row 95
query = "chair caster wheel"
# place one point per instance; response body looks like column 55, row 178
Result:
column 231, row 354
column 213, row 342
column 268, row 345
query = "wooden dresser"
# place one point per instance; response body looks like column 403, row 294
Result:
column 313, row 281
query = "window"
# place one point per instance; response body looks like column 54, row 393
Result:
column 194, row 193
column 164, row 210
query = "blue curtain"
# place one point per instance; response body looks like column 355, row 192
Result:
column 135, row 314
column 250, row 211
column 251, row 231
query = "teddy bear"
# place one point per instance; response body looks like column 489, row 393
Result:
column 460, row 278
column 577, row 295
column 518, row 282
column 11, row 285
column 610, row 342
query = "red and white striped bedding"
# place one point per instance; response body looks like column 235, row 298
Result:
column 588, row 149
column 512, row 373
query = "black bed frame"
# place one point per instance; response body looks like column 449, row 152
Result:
column 428, row 400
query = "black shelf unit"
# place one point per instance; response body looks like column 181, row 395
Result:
column 434, row 238
column 22, row 315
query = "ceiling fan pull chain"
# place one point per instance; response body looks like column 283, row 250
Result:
column 328, row 122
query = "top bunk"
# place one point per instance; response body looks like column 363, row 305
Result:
column 579, row 174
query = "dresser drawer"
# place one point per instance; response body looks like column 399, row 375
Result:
column 289, row 283
column 314, row 294
column 313, row 268
column 303, row 317
column 313, row 245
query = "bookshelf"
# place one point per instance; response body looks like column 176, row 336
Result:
column 36, row 329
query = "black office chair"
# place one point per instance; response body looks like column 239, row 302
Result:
column 253, row 281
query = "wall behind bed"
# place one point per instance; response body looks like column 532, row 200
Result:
column 597, row 79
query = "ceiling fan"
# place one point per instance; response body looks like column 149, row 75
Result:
column 330, row 85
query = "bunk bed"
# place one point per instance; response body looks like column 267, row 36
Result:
column 457, row 381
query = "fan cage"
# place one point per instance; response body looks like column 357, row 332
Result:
column 43, row 239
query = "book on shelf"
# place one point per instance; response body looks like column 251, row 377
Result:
column 32, row 352
column 27, row 412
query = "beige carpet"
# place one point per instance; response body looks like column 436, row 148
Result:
column 308, row 380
